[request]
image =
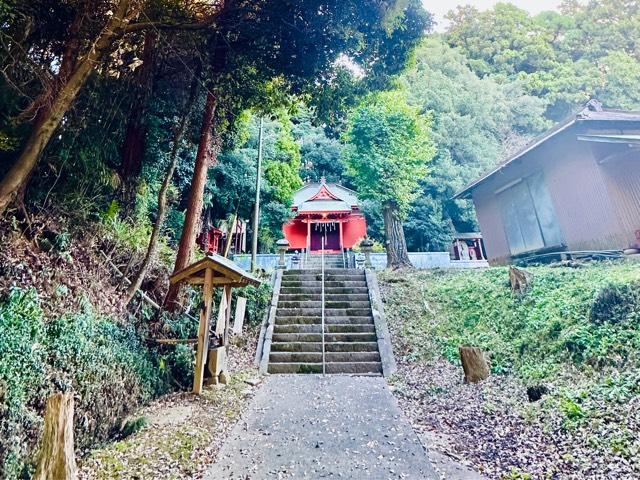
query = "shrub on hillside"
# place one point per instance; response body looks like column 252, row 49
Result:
column 616, row 303
column 105, row 364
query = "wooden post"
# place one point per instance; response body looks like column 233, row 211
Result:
column 230, row 230
column 241, row 306
column 57, row 457
column 203, row 332
column 221, row 318
column 474, row 364
column 227, row 312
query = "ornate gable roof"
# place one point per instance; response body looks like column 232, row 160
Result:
column 324, row 194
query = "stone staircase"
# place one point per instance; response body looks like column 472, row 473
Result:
column 331, row 261
column 350, row 334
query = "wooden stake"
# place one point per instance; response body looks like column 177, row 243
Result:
column 57, row 457
column 203, row 332
column 241, row 306
column 222, row 315
column 520, row 280
column 227, row 313
column 474, row 364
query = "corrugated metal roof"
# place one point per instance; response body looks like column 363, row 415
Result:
column 586, row 115
column 324, row 206
column 624, row 139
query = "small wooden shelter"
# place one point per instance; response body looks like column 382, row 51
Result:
column 213, row 271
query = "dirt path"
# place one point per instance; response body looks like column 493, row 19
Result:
column 309, row 426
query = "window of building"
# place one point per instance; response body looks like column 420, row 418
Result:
column 529, row 216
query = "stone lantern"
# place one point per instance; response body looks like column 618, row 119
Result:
column 283, row 246
column 367, row 246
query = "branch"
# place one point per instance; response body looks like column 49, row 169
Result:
column 138, row 27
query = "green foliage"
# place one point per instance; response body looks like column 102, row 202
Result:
column 133, row 426
column 129, row 234
column 476, row 121
column 563, row 57
column 107, row 365
column 258, row 299
column 22, row 374
column 388, row 148
column 320, row 154
column 616, row 303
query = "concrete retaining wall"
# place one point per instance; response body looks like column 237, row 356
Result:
column 421, row 260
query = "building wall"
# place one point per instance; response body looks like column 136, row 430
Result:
column 296, row 233
column 580, row 191
column 622, row 177
column 354, row 230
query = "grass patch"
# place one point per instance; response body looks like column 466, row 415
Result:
column 587, row 317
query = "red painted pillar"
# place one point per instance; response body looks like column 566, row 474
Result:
column 341, row 241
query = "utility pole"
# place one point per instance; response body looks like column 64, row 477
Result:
column 256, row 208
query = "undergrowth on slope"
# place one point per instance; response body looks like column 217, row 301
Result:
column 588, row 317
column 104, row 363
column 576, row 331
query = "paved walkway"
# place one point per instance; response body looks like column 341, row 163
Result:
column 307, row 426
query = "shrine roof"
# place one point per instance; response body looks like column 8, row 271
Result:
column 335, row 191
column 313, row 206
column 225, row 272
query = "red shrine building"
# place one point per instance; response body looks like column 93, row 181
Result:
column 325, row 210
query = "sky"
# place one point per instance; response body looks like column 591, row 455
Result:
column 439, row 7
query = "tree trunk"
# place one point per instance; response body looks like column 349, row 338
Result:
column 474, row 364
column 397, row 256
column 44, row 127
column 206, row 156
column 162, row 196
column 57, row 457
column 134, row 142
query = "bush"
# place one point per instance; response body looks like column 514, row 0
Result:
column 258, row 299
column 22, row 377
column 616, row 303
column 106, row 364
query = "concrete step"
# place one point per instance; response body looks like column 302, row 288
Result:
column 294, row 290
column 327, row 284
column 327, row 271
column 329, row 337
column 328, row 312
column 336, row 368
column 345, row 297
column 329, row 347
column 354, row 367
column 327, row 304
column 330, row 357
column 294, row 367
column 328, row 328
column 357, row 320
